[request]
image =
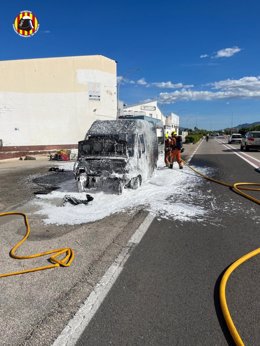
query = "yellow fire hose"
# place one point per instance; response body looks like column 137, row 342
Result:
column 60, row 257
column 222, row 292
column 237, row 187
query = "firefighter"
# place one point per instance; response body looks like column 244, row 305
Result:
column 176, row 147
column 167, row 150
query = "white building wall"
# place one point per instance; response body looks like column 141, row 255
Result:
column 172, row 123
column 55, row 101
column 149, row 109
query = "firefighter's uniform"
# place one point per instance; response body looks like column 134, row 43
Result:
column 175, row 153
column 167, row 150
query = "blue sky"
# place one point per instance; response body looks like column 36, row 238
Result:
column 199, row 59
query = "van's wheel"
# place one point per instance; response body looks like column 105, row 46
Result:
column 246, row 147
column 136, row 182
column 81, row 182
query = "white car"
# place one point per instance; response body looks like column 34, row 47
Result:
column 235, row 138
column 251, row 141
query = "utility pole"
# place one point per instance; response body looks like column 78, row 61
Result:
column 232, row 118
column 118, row 86
column 117, row 90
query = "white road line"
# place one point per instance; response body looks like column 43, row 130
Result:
column 240, row 155
column 71, row 333
column 195, row 151
column 253, row 158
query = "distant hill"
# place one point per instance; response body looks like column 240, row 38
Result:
column 238, row 127
column 246, row 125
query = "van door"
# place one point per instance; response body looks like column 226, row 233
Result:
column 142, row 159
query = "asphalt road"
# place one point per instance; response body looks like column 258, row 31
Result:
column 35, row 307
column 167, row 293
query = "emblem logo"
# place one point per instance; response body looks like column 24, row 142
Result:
column 26, row 24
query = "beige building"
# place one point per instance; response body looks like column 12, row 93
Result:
column 51, row 103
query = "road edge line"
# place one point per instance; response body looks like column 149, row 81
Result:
column 239, row 155
column 72, row 332
column 194, row 152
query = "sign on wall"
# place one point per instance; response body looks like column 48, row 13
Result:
column 148, row 108
column 94, row 91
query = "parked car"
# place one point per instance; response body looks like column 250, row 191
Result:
column 235, row 138
column 251, row 140
column 116, row 154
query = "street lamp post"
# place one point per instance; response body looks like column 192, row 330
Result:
column 118, row 110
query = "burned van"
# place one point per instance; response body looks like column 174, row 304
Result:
column 116, row 154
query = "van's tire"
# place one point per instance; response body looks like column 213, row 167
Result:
column 246, row 148
column 136, row 182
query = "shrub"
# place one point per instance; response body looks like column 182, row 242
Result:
column 193, row 138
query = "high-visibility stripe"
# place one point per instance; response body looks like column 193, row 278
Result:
column 16, row 23
column 34, row 27
column 32, row 18
column 20, row 17
column 36, row 23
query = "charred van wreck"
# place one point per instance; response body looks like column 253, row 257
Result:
column 116, row 154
